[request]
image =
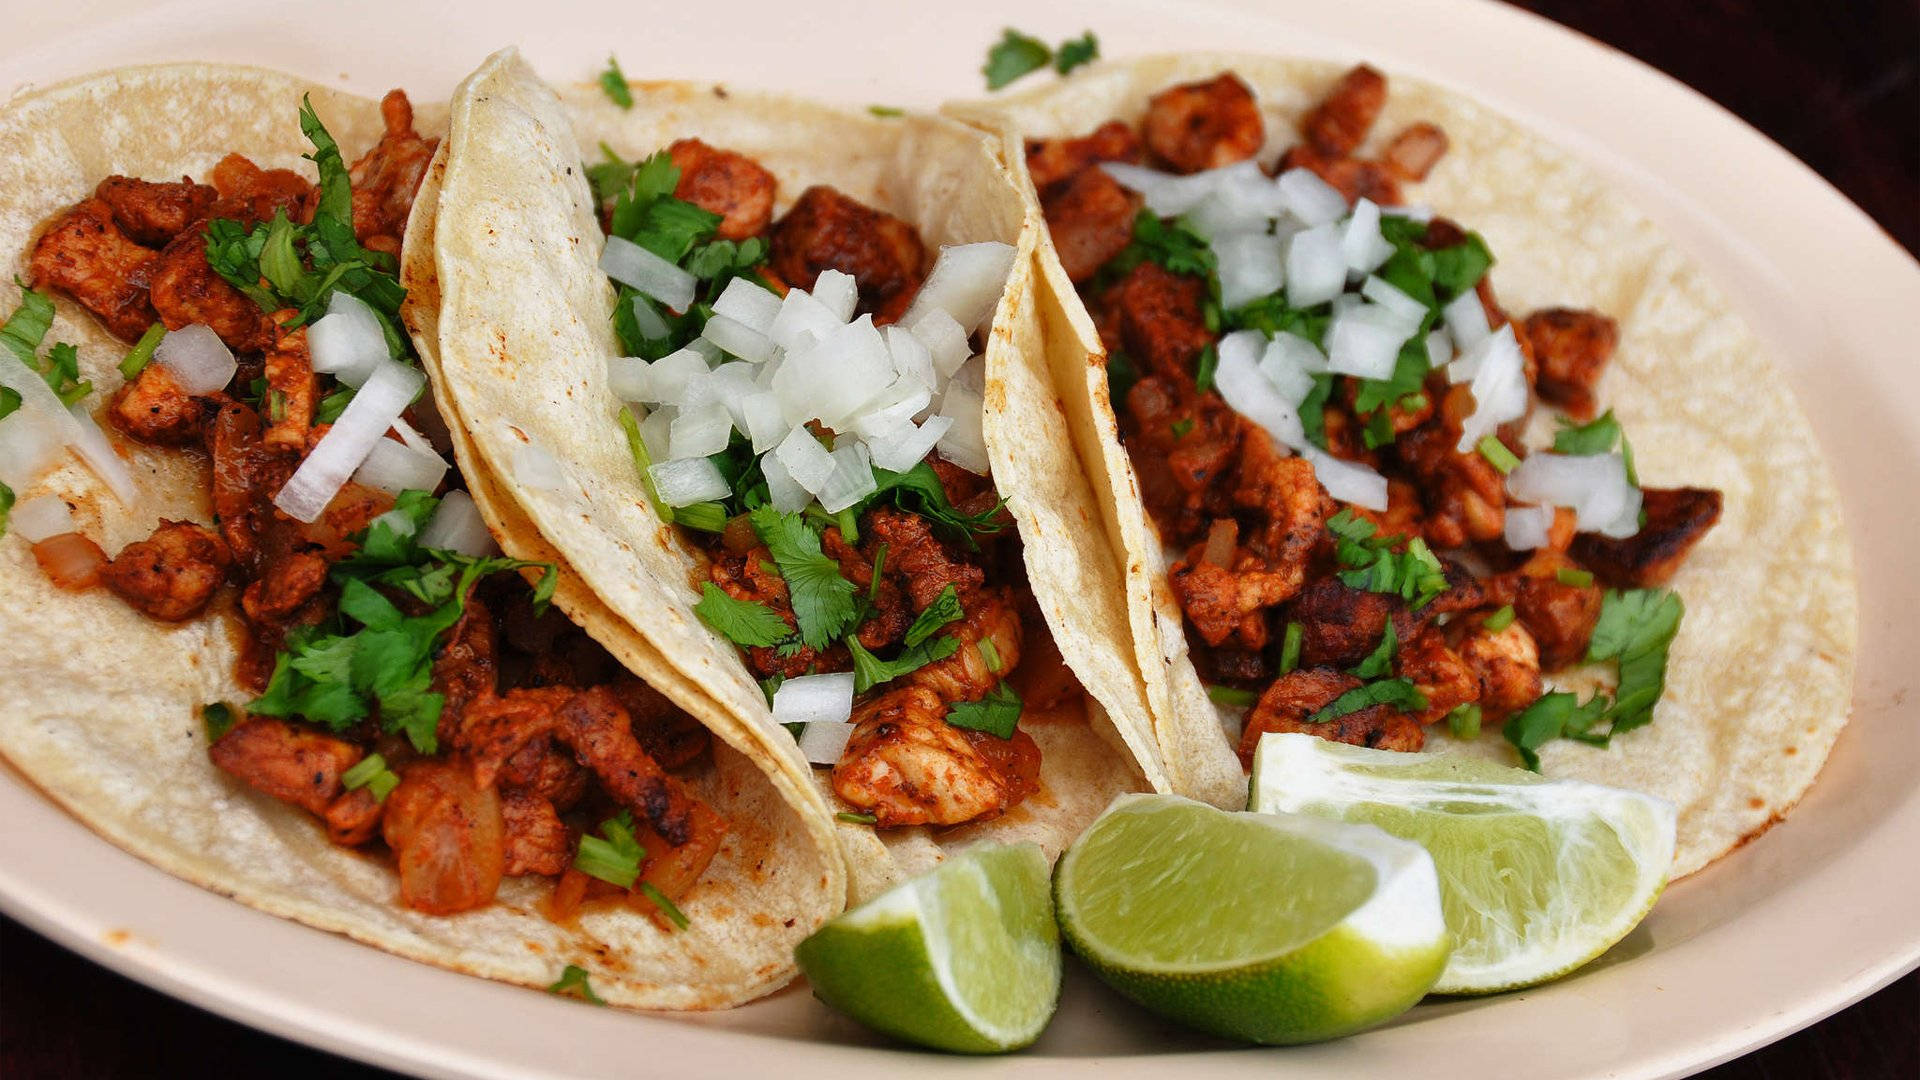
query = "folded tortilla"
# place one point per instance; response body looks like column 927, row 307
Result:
column 1760, row 679
column 99, row 705
column 526, row 333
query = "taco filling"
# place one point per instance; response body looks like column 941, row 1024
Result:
column 416, row 694
column 1328, row 411
column 805, row 401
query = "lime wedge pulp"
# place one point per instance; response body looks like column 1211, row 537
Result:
column 1537, row 876
column 965, row 957
column 1268, row 928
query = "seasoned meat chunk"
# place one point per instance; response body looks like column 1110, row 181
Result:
column 186, row 291
column 925, row 563
column 1183, row 443
column 826, row 230
column 732, row 185
column 466, row 670
column 536, row 840
column 1050, row 161
column 153, row 213
column 283, row 587
column 906, row 765
column 387, row 175
column 85, row 255
column 1287, row 704
column 447, row 837
column 1204, row 125
column 1466, row 497
column 598, row 729
column 989, row 635
column 1340, row 625
column 1091, row 220
column 1161, row 320
column 1339, row 124
column 354, row 817
column 1353, row 178
column 668, row 733
column 291, row 388
column 172, row 574
column 1415, row 151
column 287, row 762
column 1677, row 518
column 1561, row 617
column 250, row 194
column 154, row 408
column 1506, row 665
column 1438, row 672
column 1572, row 349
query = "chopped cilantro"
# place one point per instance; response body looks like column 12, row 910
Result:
column 1074, row 52
column 997, row 714
column 1415, row 575
column 573, row 983
column 852, row 818
column 1174, row 246
column 1399, row 693
column 1636, row 628
column 1380, row 660
column 918, row 490
column 9, row 401
column 886, row 111
column 1181, row 426
column 1551, row 716
column 1410, row 369
column 870, row 671
column 1290, row 648
column 1014, row 55
column 1231, row 696
column 1204, row 368
column 873, row 587
column 22, row 334
column 743, row 622
column 614, row 82
column 1313, row 410
column 823, row 600
column 219, row 718
column 1497, row 454
column 944, row 609
column 1464, row 721
column 613, row 856
column 1499, row 620
column 667, row 907
column 1569, row 575
column 704, row 516
column 6, row 507
column 1459, row 268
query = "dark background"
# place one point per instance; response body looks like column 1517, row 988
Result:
column 1837, row 84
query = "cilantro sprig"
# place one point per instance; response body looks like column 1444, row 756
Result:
column 1017, row 55
column 996, row 714
column 1636, row 629
column 614, row 82
column 743, row 622
column 823, row 600
column 1399, row 693
column 1370, row 562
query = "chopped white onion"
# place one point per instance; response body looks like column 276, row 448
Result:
column 765, row 424
column 911, row 357
column 29, row 444
column 838, row 292
column 668, row 377
column 1382, row 292
column 1364, row 340
column 903, row 401
column 965, row 442
column 374, row 408
column 42, row 516
column 823, row 741
column 738, row 338
column 656, row 431
column 1165, row 194
column 903, row 447
column 1251, row 393
column 1361, row 241
column 534, row 468
column 1439, row 349
column 395, row 467
column 731, row 384
column 787, row 494
column 1311, row 199
column 75, row 426
column 1296, row 351
column 627, row 378
column 966, row 282
column 701, row 432
column 688, row 481
column 199, row 361
column 832, row 378
column 1466, row 320
column 944, row 338
column 648, row 320
column 630, row 264
column 1285, row 367
column 347, row 342
column 1526, row 527
column 1348, row 481
column 809, row 463
column 1241, row 199
column 802, row 320
column 1316, row 267
column 1595, row 486
column 814, row 699
column 852, row 478
column 456, row 525
column 93, row 447
column 1500, row 393
column 749, row 305
column 1249, row 265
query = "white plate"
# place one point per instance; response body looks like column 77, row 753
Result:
column 1812, row 916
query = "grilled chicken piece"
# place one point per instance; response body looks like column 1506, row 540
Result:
column 250, row 194
column 283, row 586
column 291, row 388
column 732, row 185
column 1286, row 705
column 593, row 723
column 1354, row 178
column 1438, row 672
column 1204, row 125
column 85, row 255
column 1572, row 349
column 536, row 840
column 1677, row 519
column 906, row 765
column 354, row 817
column 1505, row 663
column 387, row 176
column 154, row 408
column 1465, row 495
column 153, row 213
column 826, row 230
column 466, row 670
column 1340, row 123
column 1050, row 161
column 289, row 763
column 171, row 574
column 1415, row 151
column 186, row 290
column 1161, row 320
column 925, row 563
column 447, row 836
column 989, row 636
column 668, row 733
column 1091, row 220
column 1561, row 617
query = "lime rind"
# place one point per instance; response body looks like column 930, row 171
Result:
column 1503, row 839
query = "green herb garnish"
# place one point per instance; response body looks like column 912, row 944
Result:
column 944, row 609
column 1074, row 52
column 852, row 818
column 886, row 111
column 142, row 351
column 1636, row 627
column 614, row 82
column 870, row 671
column 1370, row 562
column 1552, row 716
column 1380, row 660
column 1499, row 620
column 573, row 983
column 1569, row 575
column 1464, row 721
column 1290, row 648
column 823, row 601
column 219, row 718
column 1013, row 56
column 1498, row 455
column 667, row 907
column 1399, row 693
column 997, row 714
column 747, row 623
column 1231, row 696
column 613, row 856
column 371, row 772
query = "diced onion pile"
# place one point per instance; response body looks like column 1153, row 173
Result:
column 823, row 704
column 768, row 366
column 1594, row 486
column 346, row 445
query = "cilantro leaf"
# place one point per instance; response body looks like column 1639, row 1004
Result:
column 6, row 507
column 1551, row 716
column 1636, row 627
column 219, row 718
column 743, row 622
column 1370, row 562
column 870, row 671
column 1174, row 246
column 823, row 600
column 1074, row 52
column 996, row 714
column 614, row 82
column 9, row 401
column 1014, row 55
column 1459, row 268
column 1399, row 693
column 573, row 983
column 944, row 609
column 919, row 490
column 27, row 327
column 1598, row 436
column 613, row 856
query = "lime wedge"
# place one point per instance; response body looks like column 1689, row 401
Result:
column 1537, row 876
column 964, row 957
column 1266, row 927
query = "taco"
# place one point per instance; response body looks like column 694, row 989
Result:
column 1361, row 496
column 308, row 677
column 802, row 442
